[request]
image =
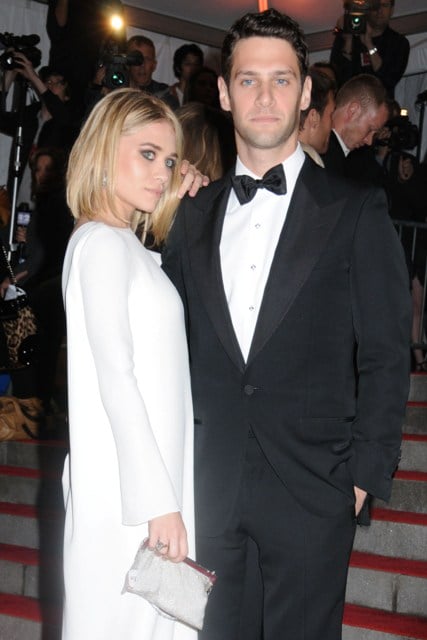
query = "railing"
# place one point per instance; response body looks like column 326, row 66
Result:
column 415, row 246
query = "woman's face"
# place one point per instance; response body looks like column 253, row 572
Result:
column 58, row 86
column 190, row 65
column 145, row 162
column 42, row 169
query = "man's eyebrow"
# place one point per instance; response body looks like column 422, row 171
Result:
column 277, row 72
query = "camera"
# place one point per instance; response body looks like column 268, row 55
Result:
column 116, row 72
column 117, row 63
column 403, row 134
column 356, row 15
column 23, row 44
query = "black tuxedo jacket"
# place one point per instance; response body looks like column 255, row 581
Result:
column 334, row 158
column 360, row 164
column 326, row 380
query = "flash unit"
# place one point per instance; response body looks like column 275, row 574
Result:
column 116, row 22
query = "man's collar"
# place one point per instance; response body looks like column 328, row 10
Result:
column 343, row 146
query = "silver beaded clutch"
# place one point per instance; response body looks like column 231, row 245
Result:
column 178, row 590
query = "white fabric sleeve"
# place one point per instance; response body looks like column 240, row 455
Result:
column 106, row 280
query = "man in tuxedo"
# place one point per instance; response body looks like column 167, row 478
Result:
column 361, row 110
column 298, row 313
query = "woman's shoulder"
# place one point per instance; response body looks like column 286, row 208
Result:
column 98, row 238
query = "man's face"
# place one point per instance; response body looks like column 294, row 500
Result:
column 265, row 94
column 379, row 18
column 140, row 75
column 362, row 124
column 323, row 131
column 190, row 65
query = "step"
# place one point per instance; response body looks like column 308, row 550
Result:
column 409, row 492
column 31, row 572
column 21, row 619
column 414, row 452
column 415, row 420
column 30, row 526
column 34, row 454
column 418, row 388
column 19, row 569
column 394, row 533
column 391, row 584
column 365, row 623
column 30, row 486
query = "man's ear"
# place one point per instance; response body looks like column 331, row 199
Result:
column 305, row 94
column 313, row 118
column 353, row 110
column 224, row 97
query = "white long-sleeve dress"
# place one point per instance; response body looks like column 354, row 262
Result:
column 131, row 429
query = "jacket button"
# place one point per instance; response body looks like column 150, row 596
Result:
column 249, row 389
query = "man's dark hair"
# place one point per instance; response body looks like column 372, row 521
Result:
column 267, row 24
column 140, row 40
column 325, row 67
column 365, row 89
column 182, row 52
column 322, row 86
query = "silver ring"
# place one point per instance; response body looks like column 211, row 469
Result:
column 161, row 545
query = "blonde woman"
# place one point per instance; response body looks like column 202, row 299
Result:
column 129, row 473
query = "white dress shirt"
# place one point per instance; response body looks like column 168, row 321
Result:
column 249, row 239
column 343, row 145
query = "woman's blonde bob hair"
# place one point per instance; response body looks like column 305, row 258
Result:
column 92, row 164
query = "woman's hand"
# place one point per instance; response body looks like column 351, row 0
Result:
column 169, row 531
column 4, row 285
column 27, row 70
column 192, row 180
column 405, row 168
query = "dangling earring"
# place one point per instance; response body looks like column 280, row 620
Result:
column 104, row 179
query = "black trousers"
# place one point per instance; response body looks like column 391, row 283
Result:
column 294, row 587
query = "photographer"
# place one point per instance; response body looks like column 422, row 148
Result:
column 49, row 121
column 367, row 44
column 132, row 69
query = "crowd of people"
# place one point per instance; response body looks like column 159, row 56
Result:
column 237, row 312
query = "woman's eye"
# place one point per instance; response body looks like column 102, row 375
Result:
column 170, row 163
column 148, row 155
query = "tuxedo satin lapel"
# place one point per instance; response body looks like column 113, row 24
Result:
column 204, row 240
column 305, row 233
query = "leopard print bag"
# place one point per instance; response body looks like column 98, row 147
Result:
column 18, row 327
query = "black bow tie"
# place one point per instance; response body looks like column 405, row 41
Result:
column 245, row 187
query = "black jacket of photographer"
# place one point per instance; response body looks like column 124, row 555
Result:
column 393, row 49
column 60, row 131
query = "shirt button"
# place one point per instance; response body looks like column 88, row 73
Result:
column 251, row 308
column 253, row 267
column 257, row 226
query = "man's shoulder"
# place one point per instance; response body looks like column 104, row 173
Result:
column 207, row 195
column 156, row 86
column 329, row 185
column 391, row 37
